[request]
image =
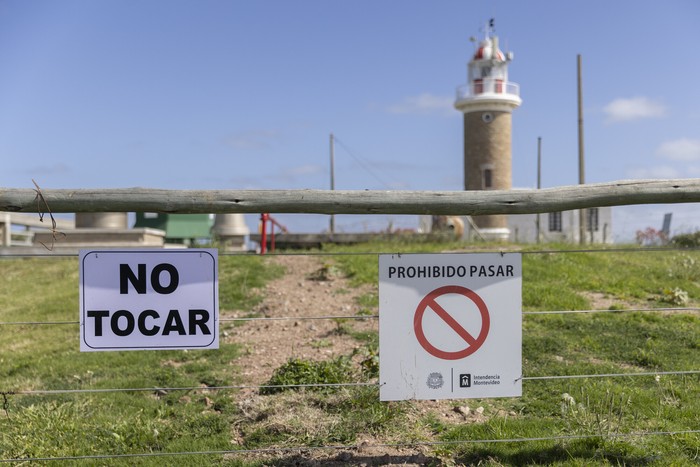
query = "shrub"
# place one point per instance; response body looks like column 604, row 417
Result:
column 302, row 372
column 651, row 237
column 691, row 240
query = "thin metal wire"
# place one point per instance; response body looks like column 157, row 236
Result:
column 300, row 318
column 626, row 310
column 491, row 250
column 37, row 255
column 375, row 253
column 186, row 388
column 273, row 318
column 609, row 375
column 326, row 385
column 35, row 323
column 283, row 450
column 362, row 317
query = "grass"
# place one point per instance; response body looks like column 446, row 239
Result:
column 590, row 344
column 46, row 358
column 297, row 371
column 586, row 414
column 556, row 281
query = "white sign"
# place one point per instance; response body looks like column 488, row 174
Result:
column 450, row 326
column 149, row 299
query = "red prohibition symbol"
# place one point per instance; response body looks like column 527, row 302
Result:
column 472, row 343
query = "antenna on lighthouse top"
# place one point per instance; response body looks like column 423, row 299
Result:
column 491, row 27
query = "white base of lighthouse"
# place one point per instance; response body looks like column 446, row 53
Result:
column 496, row 234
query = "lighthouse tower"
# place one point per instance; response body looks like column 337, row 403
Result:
column 487, row 102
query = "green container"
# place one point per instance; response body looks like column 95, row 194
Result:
column 179, row 228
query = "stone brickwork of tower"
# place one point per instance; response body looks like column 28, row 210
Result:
column 487, row 158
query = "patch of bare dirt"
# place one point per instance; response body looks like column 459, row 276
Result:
column 308, row 291
column 600, row 301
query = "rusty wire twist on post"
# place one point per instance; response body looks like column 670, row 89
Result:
column 39, row 199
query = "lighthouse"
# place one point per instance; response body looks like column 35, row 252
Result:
column 487, row 102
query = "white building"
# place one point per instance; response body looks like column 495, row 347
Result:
column 562, row 226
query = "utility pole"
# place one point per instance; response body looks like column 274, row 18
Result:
column 581, row 165
column 539, row 181
column 332, row 143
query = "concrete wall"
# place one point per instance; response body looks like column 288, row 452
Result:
column 523, row 228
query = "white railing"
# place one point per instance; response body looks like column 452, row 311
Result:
column 28, row 221
column 489, row 86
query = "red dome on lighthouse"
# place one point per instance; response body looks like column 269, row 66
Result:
column 486, row 51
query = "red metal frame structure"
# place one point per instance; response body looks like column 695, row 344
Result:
column 266, row 218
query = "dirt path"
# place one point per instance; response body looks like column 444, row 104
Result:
column 308, row 289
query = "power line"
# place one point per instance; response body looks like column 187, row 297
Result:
column 364, row 165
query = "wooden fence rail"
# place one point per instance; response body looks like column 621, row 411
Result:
column 566, row 198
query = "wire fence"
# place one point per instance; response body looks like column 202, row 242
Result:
column 366, row 317
column 7, row 394
column 48, row 392
column 350, row 447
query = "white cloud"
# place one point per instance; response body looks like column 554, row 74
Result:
column 633, row 108
column 49, row 169
column 301, row 170
column 424, row 104
column 683, row 149
column 253, row 139
column 399, row 185
column 646, row 173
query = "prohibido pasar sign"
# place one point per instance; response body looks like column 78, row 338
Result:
column 450, row 326
column 149, row 299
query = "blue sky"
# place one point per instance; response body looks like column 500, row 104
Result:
column 243, row 95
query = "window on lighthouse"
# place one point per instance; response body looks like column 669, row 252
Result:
column 487, row 178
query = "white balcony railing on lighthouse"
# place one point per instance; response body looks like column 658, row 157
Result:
column 488, row 86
